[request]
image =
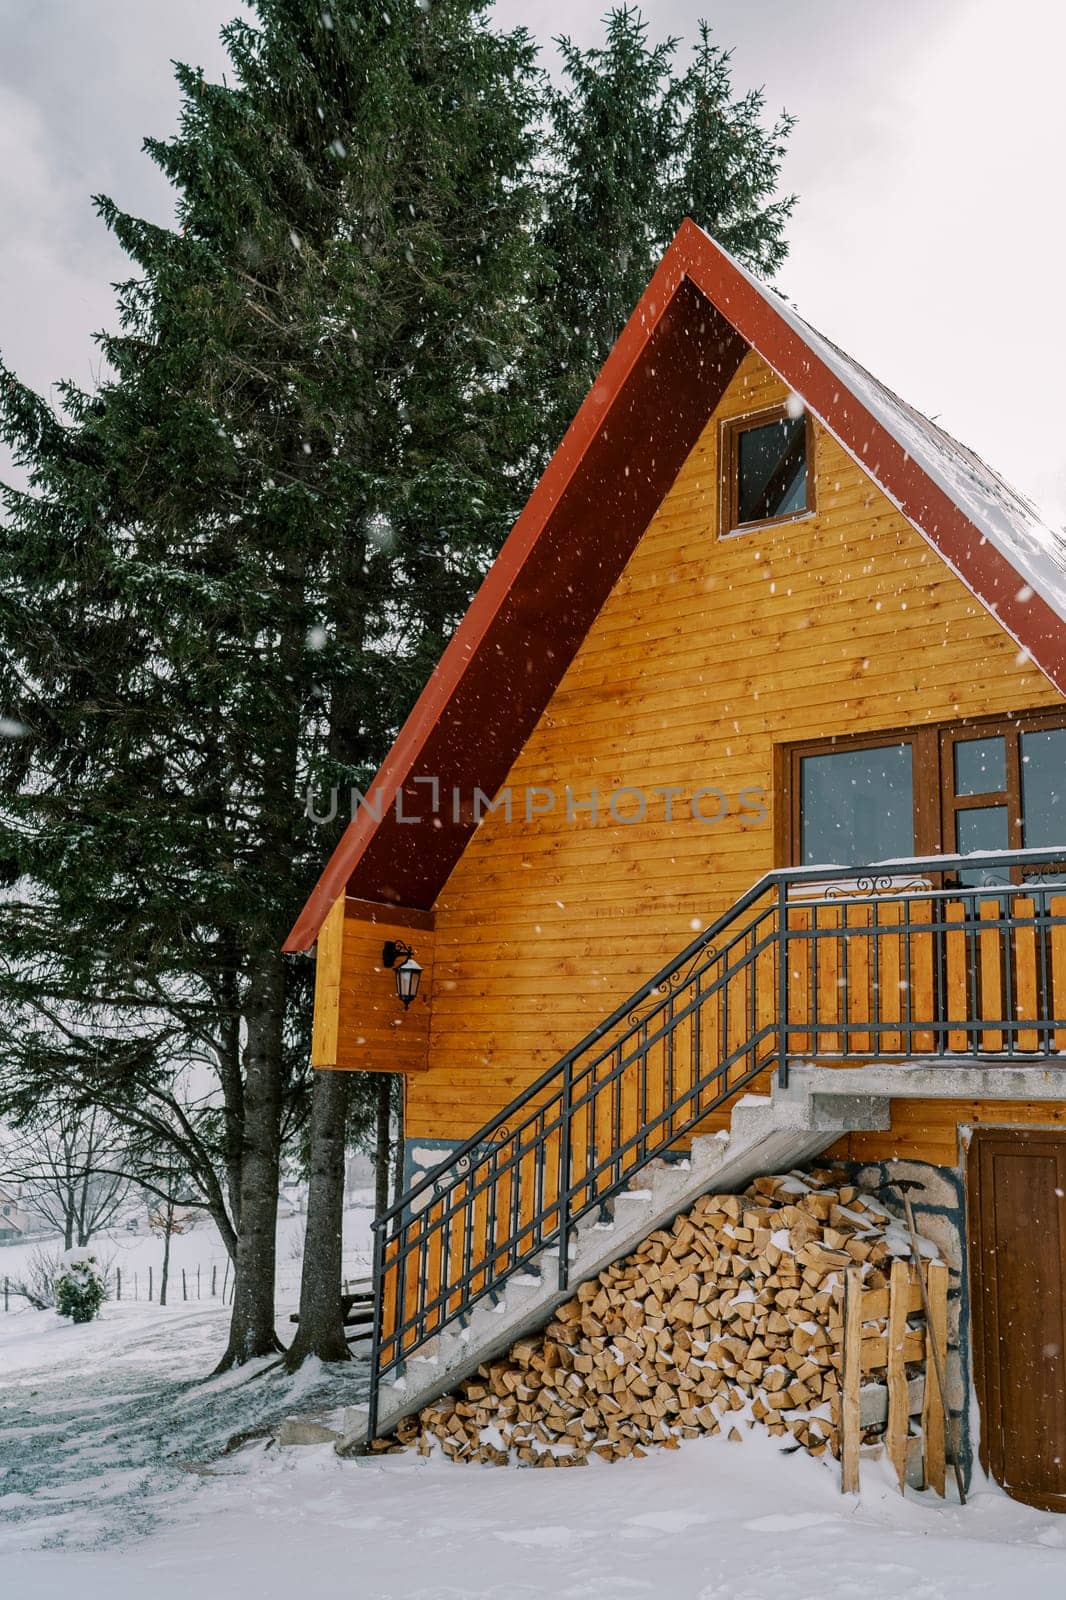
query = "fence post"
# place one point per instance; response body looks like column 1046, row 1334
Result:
column 214, row 1279
column 5, row 1294
column 118, row 1283
column 184, row 1287
column 225, row 1280
column 149, row 1284
column 197, row 1280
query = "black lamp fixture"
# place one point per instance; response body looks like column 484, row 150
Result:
column 408, row 974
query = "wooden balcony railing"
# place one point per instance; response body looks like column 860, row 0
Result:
column 878, row 966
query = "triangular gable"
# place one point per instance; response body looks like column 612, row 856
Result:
column 659, row 386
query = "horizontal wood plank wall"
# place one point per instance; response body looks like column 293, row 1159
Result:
column 329, row 951
column 707, row 655
column 928, row 1130
column 372, row 1032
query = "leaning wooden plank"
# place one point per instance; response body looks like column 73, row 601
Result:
column 933, row 1414
column 896, row 1432
column 850, row 1425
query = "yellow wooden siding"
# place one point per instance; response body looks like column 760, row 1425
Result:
column 708, row 655
column 928, row 1130
column 359, row 1023
column 329, row 951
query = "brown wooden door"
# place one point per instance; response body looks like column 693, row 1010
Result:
column 1017, row 1211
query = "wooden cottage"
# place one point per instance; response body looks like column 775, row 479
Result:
column 744, row 775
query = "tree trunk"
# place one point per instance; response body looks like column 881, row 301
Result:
column 321, row 1328
column 166, row 1269
column 383, row 1145
column 397, row 1170
column 252, row 1331
column 83, row 1194
column 168, row 1228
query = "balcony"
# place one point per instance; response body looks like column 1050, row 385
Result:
column 947, row 957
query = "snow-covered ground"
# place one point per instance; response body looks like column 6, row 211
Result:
column 95, row 1420
column 99, row 1426
column 99, row 1504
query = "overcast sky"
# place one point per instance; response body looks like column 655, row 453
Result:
column 929, row 239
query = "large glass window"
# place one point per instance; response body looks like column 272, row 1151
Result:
column 857, row 805
column 969, row 789
column 1043, row 764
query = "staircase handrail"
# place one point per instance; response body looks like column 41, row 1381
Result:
column 782, row 877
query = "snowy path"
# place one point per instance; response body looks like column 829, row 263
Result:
column 94, row 1420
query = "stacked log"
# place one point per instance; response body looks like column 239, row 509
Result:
column 728, row 1319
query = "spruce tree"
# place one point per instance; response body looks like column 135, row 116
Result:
column 635, row 145
column 239, row 555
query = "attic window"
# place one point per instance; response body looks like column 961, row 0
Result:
column 766, row 473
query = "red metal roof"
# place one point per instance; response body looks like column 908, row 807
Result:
column 663, row 379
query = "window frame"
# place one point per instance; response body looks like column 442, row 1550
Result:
column 1011, row 797
column 933, row 765
column 926, row 798
column 729, row 470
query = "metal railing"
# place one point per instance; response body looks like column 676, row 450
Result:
column 899, row 959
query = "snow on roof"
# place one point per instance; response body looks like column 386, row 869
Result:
column 1005, row 517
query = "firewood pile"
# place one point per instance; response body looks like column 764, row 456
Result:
column 729, row 1318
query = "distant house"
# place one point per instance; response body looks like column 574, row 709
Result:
column 15, row 1223
column 359, row 1175
column 747, row 765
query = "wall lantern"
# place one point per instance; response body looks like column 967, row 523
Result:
column 407, row 972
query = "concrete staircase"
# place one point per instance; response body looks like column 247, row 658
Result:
column 766, row 1134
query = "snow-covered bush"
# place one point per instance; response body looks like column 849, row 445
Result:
column 81, row 1287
